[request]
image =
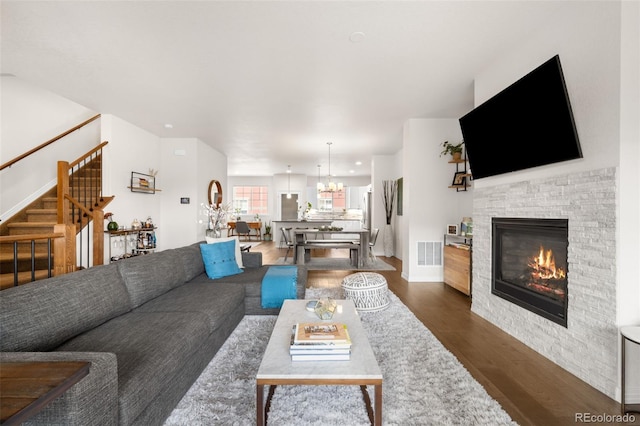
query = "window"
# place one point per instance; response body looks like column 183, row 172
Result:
column 250, row 200
column 329, row 201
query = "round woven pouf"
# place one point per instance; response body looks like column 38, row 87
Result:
column 368, row 290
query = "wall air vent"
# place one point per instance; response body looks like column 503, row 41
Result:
column 429, row 253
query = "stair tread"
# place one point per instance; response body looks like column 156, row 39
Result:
column 31, row 224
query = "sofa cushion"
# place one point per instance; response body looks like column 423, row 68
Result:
column 237, row 249
column 220, row 259
column 146, row 344
column 42, row 315
column 214, row 299
column 191, row 258
column 151, row 275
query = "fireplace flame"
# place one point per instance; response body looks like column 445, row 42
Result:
column 543, row 266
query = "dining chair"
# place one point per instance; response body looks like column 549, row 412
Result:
column 286, row 238
column 372, row 242
column 242, row 228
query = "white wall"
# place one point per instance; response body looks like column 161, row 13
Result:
column 130, row 149
column 212, row 164
column 188, row 166
column 590, row 57
column 29, row 117
column 629, row 236
column 429, row 202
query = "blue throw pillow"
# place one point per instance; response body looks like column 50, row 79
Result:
column 220, row 259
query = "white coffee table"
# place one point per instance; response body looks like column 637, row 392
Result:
column 278, row 369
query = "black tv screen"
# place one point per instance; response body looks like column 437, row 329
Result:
column 528, row 124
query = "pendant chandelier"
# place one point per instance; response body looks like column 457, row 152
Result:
column 331, row 186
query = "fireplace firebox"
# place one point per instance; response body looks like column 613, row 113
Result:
column 529, row 264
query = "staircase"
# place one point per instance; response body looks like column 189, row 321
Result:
column 41, row 217
column 50, row 224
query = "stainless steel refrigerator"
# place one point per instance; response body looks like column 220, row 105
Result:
column 366, row 210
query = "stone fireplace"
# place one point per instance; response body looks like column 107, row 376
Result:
column 585, row 341
column 529, row 264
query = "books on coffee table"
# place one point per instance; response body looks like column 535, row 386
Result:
column 314, row 332
column 320, row 342
column 328, row 357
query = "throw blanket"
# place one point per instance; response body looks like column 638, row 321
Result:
column 278, row 284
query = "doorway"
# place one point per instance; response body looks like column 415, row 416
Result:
column 289, row 207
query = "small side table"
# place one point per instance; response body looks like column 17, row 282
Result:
column 632, row 334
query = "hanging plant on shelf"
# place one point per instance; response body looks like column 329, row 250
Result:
column 454, row 150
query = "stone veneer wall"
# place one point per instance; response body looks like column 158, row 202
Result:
column 588, row 347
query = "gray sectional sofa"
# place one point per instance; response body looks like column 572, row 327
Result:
column 148, row 325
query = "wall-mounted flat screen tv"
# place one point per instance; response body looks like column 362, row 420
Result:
column 528, row 124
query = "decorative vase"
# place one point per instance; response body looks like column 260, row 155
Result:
column 216, row 232
column 387, row 240
column 112, row 226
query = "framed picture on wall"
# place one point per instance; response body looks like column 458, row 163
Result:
column 459, row 179
column 452, row 229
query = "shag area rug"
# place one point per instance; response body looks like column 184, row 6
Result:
column 338, row 264
column 424, row 384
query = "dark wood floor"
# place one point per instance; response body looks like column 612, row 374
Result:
column 532, row 389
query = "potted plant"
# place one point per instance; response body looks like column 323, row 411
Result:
column 112, row 225
column 454, row 150
column 267, row 231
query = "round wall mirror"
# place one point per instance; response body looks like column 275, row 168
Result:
column 215, row 193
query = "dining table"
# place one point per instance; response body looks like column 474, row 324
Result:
column 308, row 238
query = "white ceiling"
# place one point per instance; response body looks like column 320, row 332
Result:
column 268, row 83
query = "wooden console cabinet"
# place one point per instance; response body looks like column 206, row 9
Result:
column 457, row 267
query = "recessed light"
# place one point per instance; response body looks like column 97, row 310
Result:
column 352, row 171
column 358, row 163
column 357, row 37
column 168, row 126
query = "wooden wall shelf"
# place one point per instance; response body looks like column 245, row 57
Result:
column 143, row 183
column 462, row 177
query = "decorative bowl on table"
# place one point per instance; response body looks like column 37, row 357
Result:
column 325, row 308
